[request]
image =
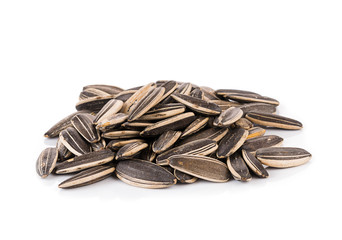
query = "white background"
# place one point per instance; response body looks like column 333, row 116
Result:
column 289, row 50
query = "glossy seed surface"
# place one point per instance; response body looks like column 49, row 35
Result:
column 273, row 120
column 46, row 162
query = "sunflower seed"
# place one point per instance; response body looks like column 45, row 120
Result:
column 272, row 120
column 195, row 126
column 112, row 107
column 165, row 141
column 93, row 104
column 228, row 117
column 163, row 111
column 208, row 95
column 283, row 157
column 252, row 98
column 243, row 123
column 231, row 142
column 206, row 168
column 73, row 141
column 197, row 93
column 130, row 150
column 198, row 147
column 258, row 107
column 224, row 105
column 111, row 121
column 254, row 164
column 225, row 92
column 255, row 132
column 63, row 152
column 215, row 134
column 262, row 142
column 136, row 97
column 173, row 123
column 170, row 87
column 105, row 88
column 117, row 144
column 184, row 177
column 91, row 92
column 238, row 167
column 144, row 174
column 121, row 134
column 197, row 105
column 46, row 162
column 98, row 146
column 125, row 95
column 137, row 125
column 85, row 161
column 87, row 177
column 184, row 88
column 84, row 126
column 148, row 154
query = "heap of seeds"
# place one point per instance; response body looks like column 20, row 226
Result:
column 156, row 135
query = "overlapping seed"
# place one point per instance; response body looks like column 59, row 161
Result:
column 150, row 136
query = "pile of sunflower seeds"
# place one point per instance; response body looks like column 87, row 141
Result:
column 156, row 135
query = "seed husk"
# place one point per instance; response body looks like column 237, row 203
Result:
column 252, row 98
column 144, row 174
column 87, row 177
column 243, row 123
column 121, row 134
column 197, row 105
column 254, row 144
column 111, row 121
column 224, row 105
column 231, row 142
column 195, row 126
column 137, row 125
column 283, row 157
column 215, row 134
column 85, row 161
column 225, row 92
column 198, row 147
column 46, row 162
column 165, row 141
column 170, row 87
column 125, row 95
column 228, row 117
column 163, row 111
column 254, row 164
column 92, row 92
column 152, row 98
column 255, row 132
column 105, row 88
column 272, row 120
column 63, row 152
column 172, row 123
column 130, row 150
column 238, row 167
column 73, row 141
column 117, row 144
column 136, row 97
column 93, row 104
column 147, row 154
column 112, row 107
column 98, row 146
column 258, row 107
column 197, row 93
column 206, row 168
column 184, row 177
column 208, row 95
column 84, row 126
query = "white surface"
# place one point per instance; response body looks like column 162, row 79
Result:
column 289, row 50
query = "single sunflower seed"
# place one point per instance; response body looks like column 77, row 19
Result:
column 243, row 123
column 272, row 120
column 63, row 152
column 195, row 126
column 231, row 142
column 255, row 132
column 46, row 162
column 163, row 111
column 121, row 134
column 136, row 97
column 105, row 88
column 111, row 121
column 225, row 92
column 197, row 93
column 254, row 144
column 184, row 177
column 98, row 146
column 118, row 143
column 254, row 164
column 137, row 125
column 252, row 98
column 228, row 117
column 125, row 95
column 92, row 92
column 165, row 141
column 84, row 126
column 93, row 104
column 238, row 167
column 130, row 150
column 112, row 107
column 74, row 142
column 258, row 107
column 215, row 134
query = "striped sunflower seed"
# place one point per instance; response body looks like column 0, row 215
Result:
column 254, row 164
column 198, row 147
column 172, row 123
column 163, row 111
column 170, row 87
column 255, row 132
column 272, row 120
column 63, row 152
column 224, row 105
column 112, row 107
column 206, row 168
column 105, row 88
column 197, row 105
column 238, row 167
column 258, row 107
column 117, row 144
column 125, row 95
column 148, row 154
column 144, row 174
column 197, row 93
column 183, row 88
column 243, row 123
column 195, row 126
column 87, row 177
column 136, row 97
column 228, row 117
column 231, row 142
column 283, row 157
column 252, row 98
column 136, row 125
column 84, row 126
column 225, row 92
column 254, row 144
column 85, row 161
column 208, row 95
column 73, row 141
column 184, row 177
column 93, row 104
column 121, row 134
column 215, row 134
column 165, row 141
column 111, row 121
column 130, row 150
column 46, row 162
column 98, row 146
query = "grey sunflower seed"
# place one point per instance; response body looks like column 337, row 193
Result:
column 225, row 92
column 105, row 88
column 215, row 134
column 63, row 152
column 163, row 111
column 92, row 92
column 197, row 93
column 136, row 97
column 283, row 157
column 111, row 121
column 173, row 123
column 93, row 104
column 125, row 95
column 209, row 95
column 198, row 147
column 183, row 88
column 136, row 125
column 206, row 168
column 231, row 142
column 184, row 177
column 84, row 126
column 252, row 98
column 195, row 126
column 255, row 132
column 87, row 177
column 165, row 141
column 170, row 87
column 121, row 134
column 238, row 167
column 73, row 141
column 112, row 107
column 197, row 105
column 254, row 144
column 254, row 164
column 46, row 162
column 98, row 146
column 243, row 123
column 85, row 161
column 258, row 107
column 228, row 117
column 272, row 120
column 224, row 105
column 130, row 150
column 144, row 174
column 117, row 144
